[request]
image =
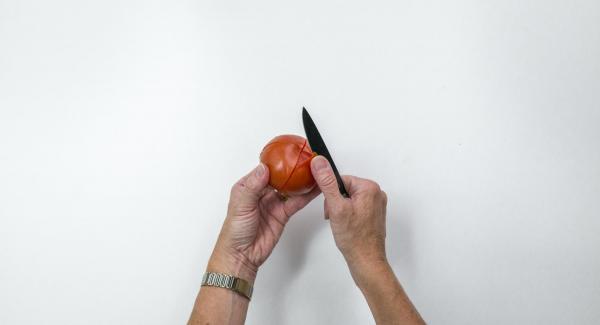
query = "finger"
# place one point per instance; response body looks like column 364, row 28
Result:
column 250, row 188
column 295, row 203
column 385, row 200
column 356, row 185
column 325, row 178
column 349, row 181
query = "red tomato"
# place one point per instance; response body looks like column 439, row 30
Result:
column 288, row 158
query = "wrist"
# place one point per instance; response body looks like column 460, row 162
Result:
column 363, row 268
column 232, row 263
column 364, row 257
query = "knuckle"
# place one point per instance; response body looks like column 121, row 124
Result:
column 235, row 189
column 371, row 189
column 367, row 185
column 240, row 188
column 384, row 197
column 373, row 186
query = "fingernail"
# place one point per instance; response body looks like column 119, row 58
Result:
column 260, row 170
column 319, row 162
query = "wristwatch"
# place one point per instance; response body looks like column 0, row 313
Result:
column 226, row 281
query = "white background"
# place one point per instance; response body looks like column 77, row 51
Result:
column 124, row 123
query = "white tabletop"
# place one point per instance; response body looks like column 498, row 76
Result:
column 123, row 125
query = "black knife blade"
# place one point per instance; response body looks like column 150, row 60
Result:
column 318, row 145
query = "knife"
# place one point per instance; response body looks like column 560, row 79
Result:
column 318, row 145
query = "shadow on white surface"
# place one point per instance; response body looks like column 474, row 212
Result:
column 289, row 261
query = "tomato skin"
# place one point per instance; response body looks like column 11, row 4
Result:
column 288, row 159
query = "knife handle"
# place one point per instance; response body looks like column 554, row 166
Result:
column 341, row 185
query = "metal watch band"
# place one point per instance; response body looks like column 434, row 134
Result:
column 226, row 281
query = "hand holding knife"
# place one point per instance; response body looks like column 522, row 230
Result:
column 318, row 145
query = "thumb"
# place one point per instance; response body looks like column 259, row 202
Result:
column 325, row 178
column 249, row 189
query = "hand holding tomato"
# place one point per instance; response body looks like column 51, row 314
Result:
column 255, row 220
column 288, row 158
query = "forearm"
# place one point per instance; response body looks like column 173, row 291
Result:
column 218, row 305
column 384, row 294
